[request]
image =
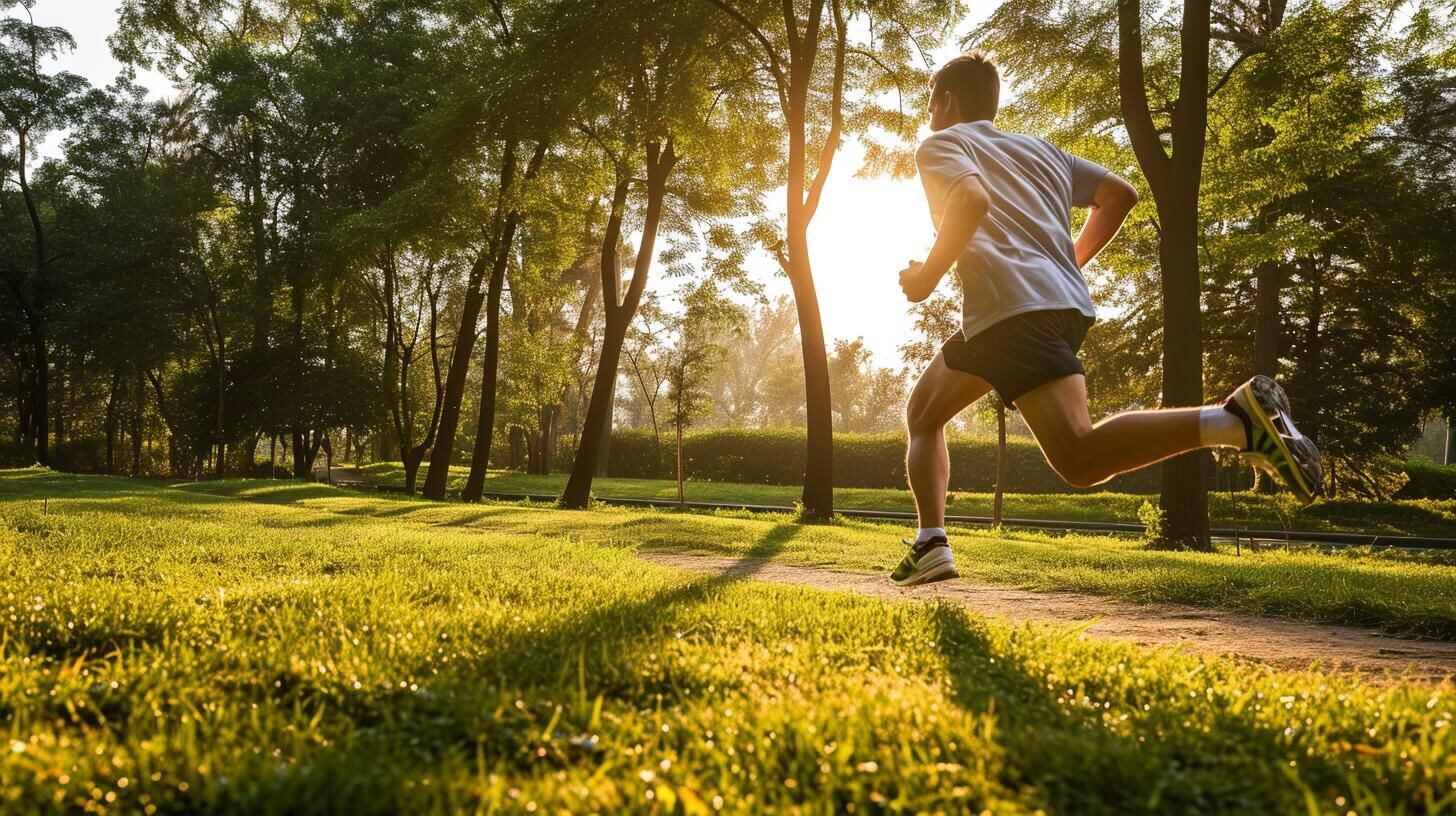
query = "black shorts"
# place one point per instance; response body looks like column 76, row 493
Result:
column 1022, row 352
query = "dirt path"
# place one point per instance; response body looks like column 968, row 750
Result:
column 1282, row 643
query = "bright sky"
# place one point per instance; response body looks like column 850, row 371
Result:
column 864, row 232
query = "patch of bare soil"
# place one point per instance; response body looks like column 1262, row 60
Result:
column 1282, row 643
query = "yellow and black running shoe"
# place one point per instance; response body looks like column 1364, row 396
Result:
column 1275, row 445
column 926, row 561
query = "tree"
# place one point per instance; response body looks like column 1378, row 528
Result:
column 691, row 359
column 495, row 102
column 33, row 103
column 408, row 288
column 867, row 398
column 813, row 62
column 763, row 348
column 1174, row 175
column 679, row 99
column 647, row 364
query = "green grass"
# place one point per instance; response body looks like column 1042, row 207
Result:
column 1397, row 592
column 1405, row 517
column 267, row 648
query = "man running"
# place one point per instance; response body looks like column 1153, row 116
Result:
column 1002, row 205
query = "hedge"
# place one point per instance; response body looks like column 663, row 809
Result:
column 1428, row 480
column 776, row 456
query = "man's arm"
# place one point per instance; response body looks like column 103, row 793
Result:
column 1111, row 203
column 965, row 208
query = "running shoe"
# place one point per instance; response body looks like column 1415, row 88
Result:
column 927, row 561
column 1275, row 445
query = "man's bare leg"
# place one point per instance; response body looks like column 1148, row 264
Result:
column 1086, row 454
column 940, row 394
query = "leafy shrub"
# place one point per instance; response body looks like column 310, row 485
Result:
column 776, row 456
column 1428, row 480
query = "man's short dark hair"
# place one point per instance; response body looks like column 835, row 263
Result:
column 975, row 83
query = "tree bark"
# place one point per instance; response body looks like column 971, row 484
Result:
column 792, row 85
column 1000, row 462
column 1184, row 496
column 444, row 449
column 1450, row 456
column 485, row 424
column 518, row 448
column 1268, row 322
column 604, row 453
column 138, row 390
column 1175, row 184
column 818, row 495
column 40, row 395
column 618, row 317
column 680, row 498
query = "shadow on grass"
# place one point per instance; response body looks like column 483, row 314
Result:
column 1069, row 748
column 619, row 630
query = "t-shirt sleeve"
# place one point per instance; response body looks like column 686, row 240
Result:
column 1086, row 176
column 942, row 161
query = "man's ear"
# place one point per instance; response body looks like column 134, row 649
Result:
column 950, row 106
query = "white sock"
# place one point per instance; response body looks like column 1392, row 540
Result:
column 1218, row 427
column 927, row 533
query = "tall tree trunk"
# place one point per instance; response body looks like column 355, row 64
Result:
column 1268, row 322
column 444, row 449
column 221, row 406
column 138, row 404
column 1175, row 181
column 485, row 424
column 681, row 499
column 1000, row 462
column 1184, row 497
column 111, row 424
column 618, row 317
column 41, row 392
column 604, row 453
column 818, row 495
column 1450, row 456
column 518, row 448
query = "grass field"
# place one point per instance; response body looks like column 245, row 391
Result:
column 1406, row 517
column 266, row 648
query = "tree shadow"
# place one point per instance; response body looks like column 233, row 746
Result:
column 1077, row 761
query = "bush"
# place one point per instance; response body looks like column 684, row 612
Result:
column 1428, row 480
column 776, row 456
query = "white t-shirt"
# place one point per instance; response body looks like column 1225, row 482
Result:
column 1021, row 258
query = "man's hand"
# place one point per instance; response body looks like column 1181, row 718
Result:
column 966, row 205
column 1111, row 203
column 917, row 285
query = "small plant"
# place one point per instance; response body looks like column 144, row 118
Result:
column 1154, row 523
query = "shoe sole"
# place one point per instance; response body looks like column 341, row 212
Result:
column 1262, row 390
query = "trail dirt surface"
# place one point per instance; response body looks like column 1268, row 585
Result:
column 1282, row 643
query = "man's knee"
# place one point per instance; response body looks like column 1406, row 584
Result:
column 919, row 418
column 1075, row 469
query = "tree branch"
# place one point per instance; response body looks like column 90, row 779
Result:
column 775, row 67
column 1134, row 96
column 836, row 117
column 1223, row 80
